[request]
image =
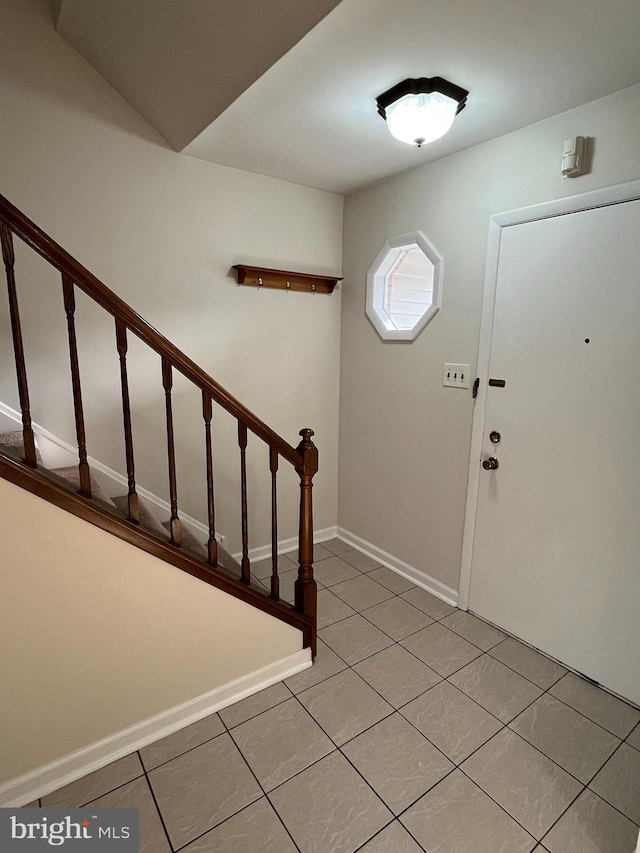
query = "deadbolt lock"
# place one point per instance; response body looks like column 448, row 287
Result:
column 490, row 464
column 494, row 437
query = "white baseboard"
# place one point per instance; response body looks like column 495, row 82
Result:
column 37, row 783
column 326, row 534
column 435, row 587
column 196, row 526
column 285, row 546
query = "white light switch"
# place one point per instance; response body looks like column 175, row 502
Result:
column 456, row 375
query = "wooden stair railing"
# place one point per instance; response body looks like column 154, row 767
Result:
column 304, row 457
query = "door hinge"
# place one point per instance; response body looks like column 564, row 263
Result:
column 474, row 390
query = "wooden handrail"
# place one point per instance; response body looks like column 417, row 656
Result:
column 86, row 281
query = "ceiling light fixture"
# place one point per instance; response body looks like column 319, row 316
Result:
column 419, row 111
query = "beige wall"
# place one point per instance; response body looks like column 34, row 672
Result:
column 96, row 635
column 163, row 230
column 408, row 497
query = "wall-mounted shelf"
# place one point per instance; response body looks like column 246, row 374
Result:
column 283, row 280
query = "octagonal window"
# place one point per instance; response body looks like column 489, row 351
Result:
column 403, row 287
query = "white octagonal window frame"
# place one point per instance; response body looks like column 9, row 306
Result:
column 377, row 286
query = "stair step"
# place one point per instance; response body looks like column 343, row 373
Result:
column 188, row 541
column 190, row 544
column 71, row 474
column 148, row 521
column 13, row 443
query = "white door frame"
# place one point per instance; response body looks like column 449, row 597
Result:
column 559, row 207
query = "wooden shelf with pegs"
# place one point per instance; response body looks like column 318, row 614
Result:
column 284, row 280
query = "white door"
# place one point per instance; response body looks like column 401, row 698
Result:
column 556, row 553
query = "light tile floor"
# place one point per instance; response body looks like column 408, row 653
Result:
column 419, row 728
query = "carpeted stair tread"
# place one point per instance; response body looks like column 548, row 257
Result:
column 14, row 443
column 189, row 542
column 148, row 521
column 71, row 474
column 227, row 564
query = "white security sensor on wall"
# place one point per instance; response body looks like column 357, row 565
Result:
column 574, row 154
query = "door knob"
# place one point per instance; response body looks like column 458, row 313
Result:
column 490, row 464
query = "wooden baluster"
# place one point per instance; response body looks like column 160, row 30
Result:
column 275, row 580
column 245, row 564
column 83, row 465
column 212, row 545
column 132, row 497
column 167, row 382
column 305, row 589
column 8, row 257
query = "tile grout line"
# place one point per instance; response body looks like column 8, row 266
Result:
column 260, row 785
column 559, row 818
column 606, row 760
column 409, row 833
column 155, row 802
column 110, row 791
column 239, row 811
column 588, row 785
column 235, row 814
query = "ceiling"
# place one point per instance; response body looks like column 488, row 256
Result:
column 288, row 89
column 182, row 62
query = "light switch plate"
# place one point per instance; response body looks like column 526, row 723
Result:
column 456, row 375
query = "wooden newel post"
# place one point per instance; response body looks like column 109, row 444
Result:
column 306, row 600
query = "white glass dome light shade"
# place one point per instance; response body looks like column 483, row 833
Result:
column 418, row 119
